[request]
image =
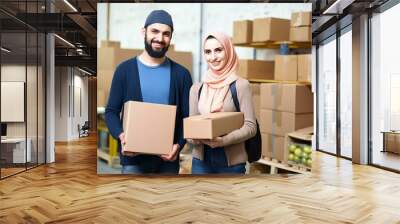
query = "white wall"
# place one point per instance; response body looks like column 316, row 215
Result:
column 61, row 103
column 14, row 72
column 80, row 83
column 127, row 19
column 67, row 80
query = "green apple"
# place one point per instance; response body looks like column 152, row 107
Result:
column 304, row 155
column 292, row 147
column 304, row 161
column 307, row 149
column 291, row 157
column 309, row 162
column 296, row 159
column 298, row 152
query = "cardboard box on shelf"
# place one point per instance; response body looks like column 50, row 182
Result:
column 271, row 29
column 242, row 31
column 300, row 19
column 255, row 89
column 272, row 146
column 256, row 69
column 281, row 123
column 104, row 79
column 149, row 128
column 108, row 58
column 291, row 98
column 300, row 34
column 304, row 67
column 101, row 98
column 212, row 125
column 183, row 58
column 266, row 149
column 286, row 67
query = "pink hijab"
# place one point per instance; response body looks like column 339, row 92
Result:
column 216, row 82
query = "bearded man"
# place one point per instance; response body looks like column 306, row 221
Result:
column 154, row 78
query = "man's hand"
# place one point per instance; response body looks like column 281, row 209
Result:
column 123, row 142
column 172, row 156
column 214, row 143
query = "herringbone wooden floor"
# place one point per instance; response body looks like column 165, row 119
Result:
column 70, row 191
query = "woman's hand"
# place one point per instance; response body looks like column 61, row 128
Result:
column 214, row 143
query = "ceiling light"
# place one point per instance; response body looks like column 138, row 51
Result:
column 5, row 50
column 70, row 5
column 65, row 41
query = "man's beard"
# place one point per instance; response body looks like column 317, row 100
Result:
column 153, row 53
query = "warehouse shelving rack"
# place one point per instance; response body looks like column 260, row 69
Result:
column 276, row 44
column 273, row 163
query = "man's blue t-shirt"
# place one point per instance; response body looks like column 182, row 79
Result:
column 155, row 82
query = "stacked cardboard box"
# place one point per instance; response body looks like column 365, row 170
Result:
column 255, row 90
column 260, row 30
column 284, row 109
column 109, row 56
column 242, row 31
column 304, row 67
column 286, row 67
column 256, row 69
column 300, row 27
column 270, row 29
column 293, row 67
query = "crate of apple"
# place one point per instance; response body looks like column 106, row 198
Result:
column 300, row 154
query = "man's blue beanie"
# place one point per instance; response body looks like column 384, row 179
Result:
column 159, row 16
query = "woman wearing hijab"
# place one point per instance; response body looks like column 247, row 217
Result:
column 224, row 154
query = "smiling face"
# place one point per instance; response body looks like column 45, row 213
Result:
column 157, row 39
column 215, row 54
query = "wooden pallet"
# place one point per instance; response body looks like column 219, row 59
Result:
column 275, row 164
column 300, row 167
